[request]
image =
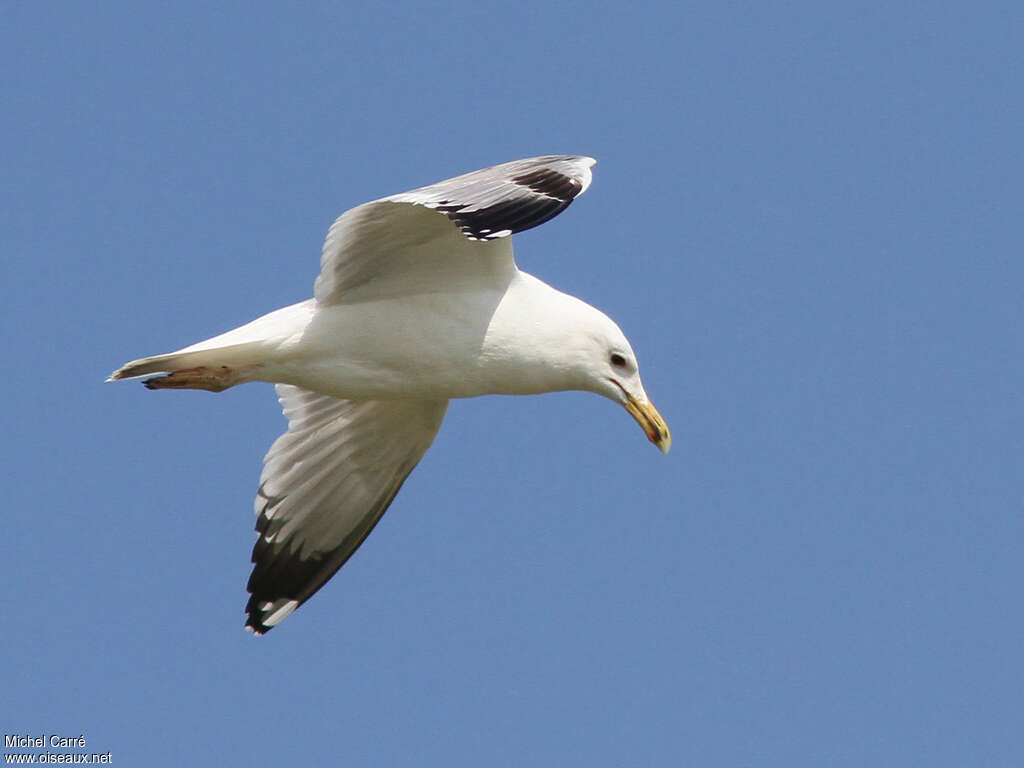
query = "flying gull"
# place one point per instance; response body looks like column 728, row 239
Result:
column 418, row 301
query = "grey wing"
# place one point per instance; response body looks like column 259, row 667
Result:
column 325, row 484
column 440, row 232
column 500, row 201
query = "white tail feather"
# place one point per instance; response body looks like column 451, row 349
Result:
column 238, row 348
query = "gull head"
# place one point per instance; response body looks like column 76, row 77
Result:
column 610, row 369
column 542, row 340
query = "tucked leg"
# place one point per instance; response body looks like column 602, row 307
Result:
column 211, row 378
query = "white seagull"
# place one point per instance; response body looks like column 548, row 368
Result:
column 418, row 301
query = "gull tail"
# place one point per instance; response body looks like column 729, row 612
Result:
column 211, row 369
column 225, row 360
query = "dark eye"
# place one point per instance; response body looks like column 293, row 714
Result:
column 618, row 360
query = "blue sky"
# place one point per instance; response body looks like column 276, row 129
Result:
column 805, row 216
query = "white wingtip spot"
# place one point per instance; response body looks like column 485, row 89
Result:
column 280, row 614
column 587, row 175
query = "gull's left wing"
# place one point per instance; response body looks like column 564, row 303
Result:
column 325, row 484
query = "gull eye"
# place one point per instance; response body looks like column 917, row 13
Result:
column 618, row 360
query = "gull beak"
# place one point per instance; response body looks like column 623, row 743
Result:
column 647, row 416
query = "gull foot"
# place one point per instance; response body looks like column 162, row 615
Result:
column 212, row 379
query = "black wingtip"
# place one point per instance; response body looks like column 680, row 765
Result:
column 254, row 619
column 263, row 614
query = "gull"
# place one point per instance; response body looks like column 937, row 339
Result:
column 418, row 301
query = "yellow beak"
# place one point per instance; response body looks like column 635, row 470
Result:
column 654, row 426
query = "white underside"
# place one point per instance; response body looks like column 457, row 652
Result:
column 459, row 343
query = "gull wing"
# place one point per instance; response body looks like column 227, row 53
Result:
column 325, row 484
column 445, row 235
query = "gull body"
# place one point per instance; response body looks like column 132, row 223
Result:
column 418, row 301
column 465, row 352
